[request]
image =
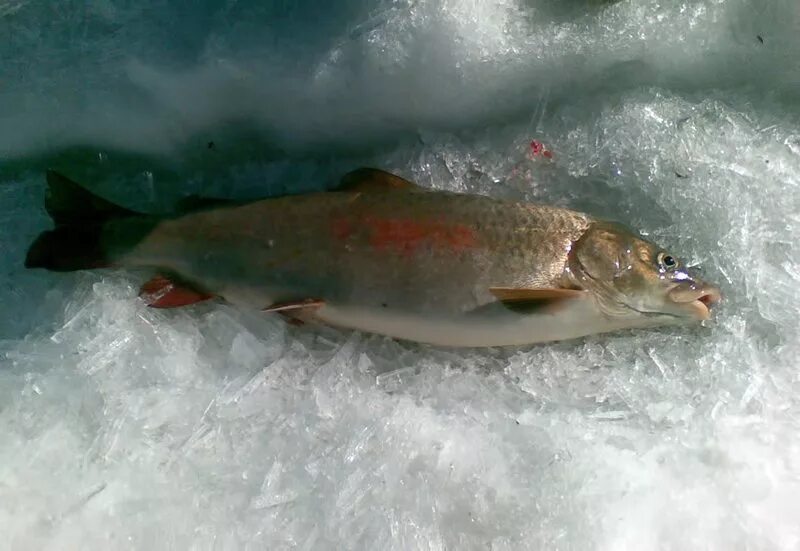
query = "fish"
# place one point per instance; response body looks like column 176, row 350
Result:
column 382, row 255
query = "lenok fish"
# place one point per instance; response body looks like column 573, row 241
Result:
column 382, row 255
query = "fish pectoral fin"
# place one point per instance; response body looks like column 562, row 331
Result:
column 374, row 180
column 531, row 300
column 296, row 312
column 515, row 293
column 163, row 292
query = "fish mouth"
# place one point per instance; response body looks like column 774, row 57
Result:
column 698, row 300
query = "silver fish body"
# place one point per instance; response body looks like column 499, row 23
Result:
column 406, row 263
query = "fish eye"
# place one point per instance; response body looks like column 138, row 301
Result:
column 666, row 261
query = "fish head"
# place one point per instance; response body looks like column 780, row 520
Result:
column 633, row 278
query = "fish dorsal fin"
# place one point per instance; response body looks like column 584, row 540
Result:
column 68, row 202
column 192, row 203
column 373, row 180
column 547, row 300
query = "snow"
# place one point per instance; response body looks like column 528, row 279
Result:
column 210, row 428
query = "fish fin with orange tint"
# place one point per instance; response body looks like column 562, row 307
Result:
column 296, row 312
column 163, row 292
column 288, row 306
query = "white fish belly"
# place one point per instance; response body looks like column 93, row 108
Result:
column 580, row 318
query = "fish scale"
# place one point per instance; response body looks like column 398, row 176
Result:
column 289, row 248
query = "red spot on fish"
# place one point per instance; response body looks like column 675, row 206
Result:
column 408, row 235
column 538, row 149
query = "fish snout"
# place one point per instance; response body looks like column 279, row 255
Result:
column 696, row 297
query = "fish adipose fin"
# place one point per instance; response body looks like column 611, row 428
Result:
column 79, row 216
column 372, row 179
column 163, row 292
column 531, row 300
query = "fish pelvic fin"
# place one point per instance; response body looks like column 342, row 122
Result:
column 536, row 300
column 367, row 179
column 78, row 242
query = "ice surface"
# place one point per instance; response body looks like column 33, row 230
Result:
column 208, row 428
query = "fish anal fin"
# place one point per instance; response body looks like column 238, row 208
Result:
column 536, row 300
column 374, row 180
column 163, row 292
column 293, row 305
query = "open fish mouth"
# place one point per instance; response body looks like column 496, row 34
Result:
column 699, row 300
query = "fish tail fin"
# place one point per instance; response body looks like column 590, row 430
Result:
column 67, row 249
column 80, row 217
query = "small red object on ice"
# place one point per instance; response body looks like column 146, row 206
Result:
column 538, row 148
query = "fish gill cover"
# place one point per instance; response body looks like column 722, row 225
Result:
column 211, row 428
